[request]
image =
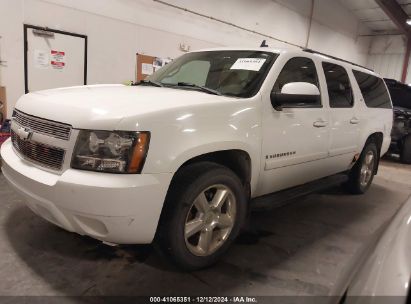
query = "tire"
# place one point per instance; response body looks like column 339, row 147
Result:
column 406, row 151
column 362, row 174
column 189, row 200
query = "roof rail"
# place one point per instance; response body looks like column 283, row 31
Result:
column 336, row 58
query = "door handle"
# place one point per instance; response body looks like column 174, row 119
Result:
column 320, row 123
column 354, row 121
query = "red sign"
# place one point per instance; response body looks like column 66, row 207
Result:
column 57, row 59
column 57, row 53
column 58, row 65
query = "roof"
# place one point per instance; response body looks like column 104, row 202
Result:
column 296, row 52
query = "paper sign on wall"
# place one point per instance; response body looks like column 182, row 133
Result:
column 147, row 69
column 160, row 62
column 41, row 59
column 58, row 60
column 249, row 64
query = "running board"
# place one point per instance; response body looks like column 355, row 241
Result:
column 278, row 199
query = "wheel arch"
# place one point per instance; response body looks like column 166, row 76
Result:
column 377, row 138
column 239, row 157
column 237, row 160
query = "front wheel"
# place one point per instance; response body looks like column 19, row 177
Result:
column 204, row 211
column 362, row 174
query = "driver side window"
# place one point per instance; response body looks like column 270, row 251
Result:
column 298, row 69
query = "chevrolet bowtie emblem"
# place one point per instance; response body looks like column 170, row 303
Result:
column 24, row 133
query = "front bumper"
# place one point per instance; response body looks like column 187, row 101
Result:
column 116, row 208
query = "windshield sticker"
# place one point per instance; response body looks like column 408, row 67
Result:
column 250, row 64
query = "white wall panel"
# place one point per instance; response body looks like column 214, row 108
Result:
column 117, row 29
column 264, row 16
column 387, row 56
column 11, row 30
column 339, row 44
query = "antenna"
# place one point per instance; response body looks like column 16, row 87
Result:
column 264, row 43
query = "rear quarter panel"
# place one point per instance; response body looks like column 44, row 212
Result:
column 372, row 120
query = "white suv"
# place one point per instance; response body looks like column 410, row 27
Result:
column 178, row 158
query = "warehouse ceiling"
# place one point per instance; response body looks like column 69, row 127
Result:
column 372, row 15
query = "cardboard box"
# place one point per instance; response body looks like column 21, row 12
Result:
column 4, row 101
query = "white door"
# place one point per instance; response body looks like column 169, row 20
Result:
column 295, row 140
column 344, row 123
column 54, row 59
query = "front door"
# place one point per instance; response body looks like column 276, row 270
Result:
column 295, row 140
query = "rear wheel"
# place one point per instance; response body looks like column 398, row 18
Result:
column 204, row 211
column 362, row 174
column 406, row 150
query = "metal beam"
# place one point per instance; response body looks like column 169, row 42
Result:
column 406, row 61
column 310, row 23
column 396, row 13
column 383, row 33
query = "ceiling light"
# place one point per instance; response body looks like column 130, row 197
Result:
column 408, row 21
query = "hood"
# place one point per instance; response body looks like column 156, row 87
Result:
column 104, row 106
column 402, row 110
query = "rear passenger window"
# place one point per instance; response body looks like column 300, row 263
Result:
column 339, row 86
column 373, row 90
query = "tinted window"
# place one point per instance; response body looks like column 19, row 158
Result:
column 339, row 86
column 299, row 69
column 373, row 90
column 195, row 71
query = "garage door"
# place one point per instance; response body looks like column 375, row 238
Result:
column 54, row 59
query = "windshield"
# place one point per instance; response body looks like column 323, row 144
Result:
column 231, row 73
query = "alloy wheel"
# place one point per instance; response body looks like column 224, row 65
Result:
column 210, row 220
column 367, row 168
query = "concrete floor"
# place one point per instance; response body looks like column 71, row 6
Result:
column 301, row 249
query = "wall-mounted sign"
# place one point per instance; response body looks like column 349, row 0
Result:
column 160, row 62
column 57, row 59
column 41, row 59
column 147, row 69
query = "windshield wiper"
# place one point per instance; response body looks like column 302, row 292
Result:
column 150, row 82
column 193, row 85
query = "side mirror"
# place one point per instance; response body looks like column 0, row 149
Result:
column 295, row 94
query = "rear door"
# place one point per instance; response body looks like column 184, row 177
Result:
column 377, row 113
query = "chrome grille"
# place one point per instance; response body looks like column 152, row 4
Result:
column 41, row 154
column 43, row 126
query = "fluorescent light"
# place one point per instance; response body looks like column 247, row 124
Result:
column 408, row 21
column 184, row 117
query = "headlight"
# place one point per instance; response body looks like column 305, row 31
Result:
column 115, row 152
